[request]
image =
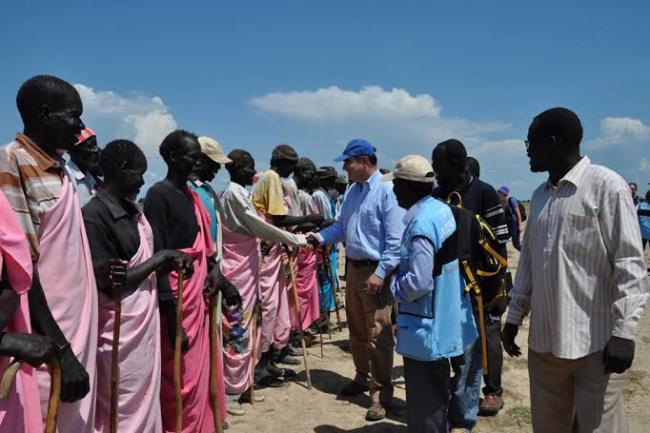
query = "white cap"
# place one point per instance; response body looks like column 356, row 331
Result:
column 412, row 167
column 212, row 149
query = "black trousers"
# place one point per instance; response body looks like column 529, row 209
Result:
column 492, row 380
column 427, row 395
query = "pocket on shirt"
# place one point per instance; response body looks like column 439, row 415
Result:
column 579, row 232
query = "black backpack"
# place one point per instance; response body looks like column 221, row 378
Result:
column 475, row 246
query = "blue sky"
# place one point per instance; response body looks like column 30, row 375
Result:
column 404, row 75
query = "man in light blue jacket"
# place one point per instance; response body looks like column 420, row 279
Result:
column 434, row 318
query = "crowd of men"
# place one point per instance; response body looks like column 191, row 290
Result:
column 231, row 286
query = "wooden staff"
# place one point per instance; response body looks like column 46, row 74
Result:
column 253, row 351
column 335, row 288
column 322, row 298
column 214, row 352
column 296, row 303
column 177, row 351
column 55, row 390
column 55, row 397
column 115, row 369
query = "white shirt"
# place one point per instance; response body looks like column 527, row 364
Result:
column 581, row 273
column 84, row 183
column 239, row 215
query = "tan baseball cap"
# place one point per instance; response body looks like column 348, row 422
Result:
column 412, row 167
column 212, row 149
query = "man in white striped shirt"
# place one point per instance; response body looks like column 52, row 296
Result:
column 582, row 277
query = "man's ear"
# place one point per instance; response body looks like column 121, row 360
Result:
column 44, row 113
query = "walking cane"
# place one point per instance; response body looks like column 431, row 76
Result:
column 336, row 289
column 296, row 303
column 177, row 351
column 214, row 392
column 322, row 298
column 115, row 371
column 253, row 351
column 55, row 390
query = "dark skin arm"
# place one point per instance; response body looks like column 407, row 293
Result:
column 74, row 378
column 290, row 221
column 111, row 274
column 31, row 348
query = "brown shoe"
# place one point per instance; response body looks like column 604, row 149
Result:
column 376, row 412
column 490, row 405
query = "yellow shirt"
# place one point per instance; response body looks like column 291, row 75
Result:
column 267, row 195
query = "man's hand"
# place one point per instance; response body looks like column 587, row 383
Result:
column 374, row 284
column 312, row 239
column 173, row 259
column 230, row 293
column 168, row 313
column 265, row 248
column 110, row 275
column 508, row 338
column 497, row 306
column 618, row 355
column 31, row 348
column 74, row 378
column 213, row 282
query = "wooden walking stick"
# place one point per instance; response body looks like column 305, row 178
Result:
column 115, row 368
column 55, row 397
column 321, row 292
column 296, row 304
column 55, row 390
column 214, row 352
column 335, row 288
column 253, row 351
column 177, row 351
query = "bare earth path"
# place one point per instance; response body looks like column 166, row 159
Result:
column 294, row 409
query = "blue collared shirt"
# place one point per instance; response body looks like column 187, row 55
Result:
column 370, row 223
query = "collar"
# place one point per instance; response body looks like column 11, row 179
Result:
column 115, row 207
column 465, row 187
column 575, row 175
column 238, row 188
column 372, row 181
column 413, row 210
column 197, row 183
column 74, row 170
column 44, row 161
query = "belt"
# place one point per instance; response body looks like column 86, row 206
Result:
column 362, row 263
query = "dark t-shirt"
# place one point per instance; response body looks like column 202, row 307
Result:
column 482, row 199
column 112, row 227
column 171, row 215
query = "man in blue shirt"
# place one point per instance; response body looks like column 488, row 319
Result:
column 370, row 224
column 643, row 210
column 435, row 320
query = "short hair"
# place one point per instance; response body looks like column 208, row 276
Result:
column 42, row 89
column 116, row 153
column 454, row 149
column 558, row 122
column 373, row 160
column 305, row 164
column 633, row 183
column 383, row 170
column 284, row 152
column 173, row 142
column 236, row 156
column 474, row 167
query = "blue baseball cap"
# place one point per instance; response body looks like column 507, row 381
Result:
column 356, row 147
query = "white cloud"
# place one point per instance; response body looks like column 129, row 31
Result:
column 336, row 103
column 620, row 131
column 145, row 120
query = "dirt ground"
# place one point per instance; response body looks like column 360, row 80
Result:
column 295, row 409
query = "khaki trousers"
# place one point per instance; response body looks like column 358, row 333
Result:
column 575, row 395
column 371, row 334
